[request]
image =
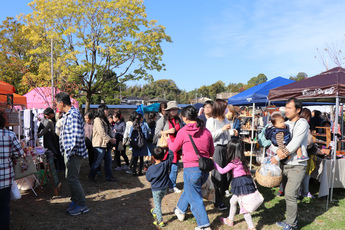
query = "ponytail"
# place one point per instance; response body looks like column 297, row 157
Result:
column 200, row 123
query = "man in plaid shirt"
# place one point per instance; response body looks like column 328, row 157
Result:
column 72, row 146
column 9, row 148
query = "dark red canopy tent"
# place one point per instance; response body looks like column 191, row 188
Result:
column 324, row 87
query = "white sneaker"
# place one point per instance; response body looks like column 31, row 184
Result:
column 207, row 228
column 227, row 193
column 180, row 216
column 117, row 169
column 174, row 190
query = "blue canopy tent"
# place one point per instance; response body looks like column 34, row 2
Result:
column 258, row 95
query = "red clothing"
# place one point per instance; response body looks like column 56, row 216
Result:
column 177, row 127
column 202, row 139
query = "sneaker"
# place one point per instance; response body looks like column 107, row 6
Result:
column 227, row 221
column 302, row 158
column 125, row 167
column 129, row 171
column 279, row 194
column 227, row 193
column 222, row 207
column 283, row 224
column 203, row 228
column 78, row 210
column 117, row 169
column 159, row 224
column 180, row 216
column 174, row 190
column 153, row 214
column 308, row 195
column 71, row 206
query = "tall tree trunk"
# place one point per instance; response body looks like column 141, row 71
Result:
column 88, row 101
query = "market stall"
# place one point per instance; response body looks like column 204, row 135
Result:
column 257, row 96
column 328, row 86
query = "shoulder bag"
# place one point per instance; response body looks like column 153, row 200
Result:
column 205, row 164
column 251, row 202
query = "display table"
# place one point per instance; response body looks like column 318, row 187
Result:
column 323, row 172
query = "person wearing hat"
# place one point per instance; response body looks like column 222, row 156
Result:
column 170, row 124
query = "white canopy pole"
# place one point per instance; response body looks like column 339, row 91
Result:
column 252, row 138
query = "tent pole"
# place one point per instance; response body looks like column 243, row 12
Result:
column 252, row 138
column 335, row 143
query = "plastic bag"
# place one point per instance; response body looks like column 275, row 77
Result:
column 268, row 168
column 15, row 193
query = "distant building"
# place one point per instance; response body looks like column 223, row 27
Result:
column 226, row 95
column 200, row 100
column 132, row 101
column 157, row 100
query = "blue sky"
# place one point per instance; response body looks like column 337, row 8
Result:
column 233, row 41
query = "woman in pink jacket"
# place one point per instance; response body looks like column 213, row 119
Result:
column 193, row 177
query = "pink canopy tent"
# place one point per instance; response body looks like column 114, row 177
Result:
column 41, row 98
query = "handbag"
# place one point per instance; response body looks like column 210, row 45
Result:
column 205, row 164
column 15, row 193
column 24, row 166
column 250, row 202
column 162, row 142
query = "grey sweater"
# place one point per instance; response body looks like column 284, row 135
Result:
column 299, row 131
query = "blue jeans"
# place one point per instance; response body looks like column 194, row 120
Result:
column 173, row 174
column 100, row 155
column 194, row 178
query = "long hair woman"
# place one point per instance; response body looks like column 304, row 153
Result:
column 232, row 118
column 102, row 142
column 193, row 177
column 120, row 149
column 170, row 125
column 222, row 131
column 140, row 126
column 151, row 123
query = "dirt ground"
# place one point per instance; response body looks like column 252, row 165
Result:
column 113, row 205
column 126, row 205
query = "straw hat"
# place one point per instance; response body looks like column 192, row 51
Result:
column 172, row 105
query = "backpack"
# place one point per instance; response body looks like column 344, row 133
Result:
column 137, row 139
column 151, row 135
column 262, row 138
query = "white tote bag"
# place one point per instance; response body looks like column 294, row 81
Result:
column 15, row 193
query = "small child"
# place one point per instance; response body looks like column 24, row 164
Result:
column 242, row 182
column 158, row 175
column 279, row 134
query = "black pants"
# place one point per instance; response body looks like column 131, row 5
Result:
column 5, row 208
column 141, row 164
column 221, row 182
column 123, row 154
column 91, row 153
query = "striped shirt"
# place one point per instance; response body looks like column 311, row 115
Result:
column 9, row 148
column 72, row 135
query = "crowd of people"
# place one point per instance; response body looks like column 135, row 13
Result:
column 212, row 132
